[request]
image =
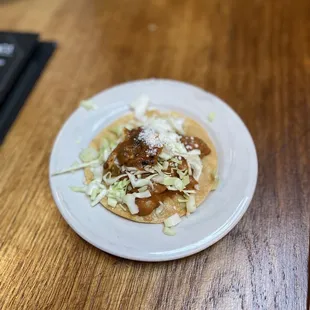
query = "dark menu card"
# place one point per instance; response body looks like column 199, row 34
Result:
column 15, row 50
column 22, row 59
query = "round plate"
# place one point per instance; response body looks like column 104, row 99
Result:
column 220, row 212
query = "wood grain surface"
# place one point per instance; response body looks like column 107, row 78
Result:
column 253, row 54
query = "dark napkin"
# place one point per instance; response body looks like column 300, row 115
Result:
column 22, row 60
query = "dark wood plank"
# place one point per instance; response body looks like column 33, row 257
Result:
column 253, row 54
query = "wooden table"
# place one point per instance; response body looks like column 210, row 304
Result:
column 253, row 54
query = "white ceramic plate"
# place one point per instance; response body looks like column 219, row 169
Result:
column 219, row 213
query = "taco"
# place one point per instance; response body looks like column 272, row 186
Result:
column 149, row 166
column 157, row 165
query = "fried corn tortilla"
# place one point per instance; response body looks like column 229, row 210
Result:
column 171, row 205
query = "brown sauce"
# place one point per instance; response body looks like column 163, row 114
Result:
column 115, row 170
column 110, row 162
column 147, row 205
column 158, row 188
column 192, row 183
column 159, row 193
column 194, row 143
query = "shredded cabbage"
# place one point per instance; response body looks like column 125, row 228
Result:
column 129, row 200
column 107, row 144
column 94, row 194
column 101, row 195
column 190, row 171
column 165, row 165
column 142, row 189
column 106, row 148
column 88, row 105
column 91, row 187
column 194, row 152
column 164, row 155
column 211, row 117
column 118, row 190
column 177, row 124
column 216, row 182
column 131, row 168
column 108, row 180
column 172, row 188
column 88, row 154
column 145, row 194
column 139, row 172
column 174, row 183
column 105, row 154
column 189, row 191
column 113, row 145
column 196, row 165
column 149, row 169
column 187, row 154
column 169, row 231
column 104, row 143
column 172, row 146
column 159, row 209
column 190, row 204
column 140, row 106
column 170, row 180
column 182, row 174
column 160, row 125
column 172, row 220
column 175, row 160
column 78, row 189
column 158, row 179
column 129, row 127
column 77, row 166
column 178, row 184
column 112, row 202
column 97, row 172
column 118, row 130
column 159, row 168
column 185, row 180
column 139, row 182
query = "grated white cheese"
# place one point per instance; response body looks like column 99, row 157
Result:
column 150, row 137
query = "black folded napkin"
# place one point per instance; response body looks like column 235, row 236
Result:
column 22, row 60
